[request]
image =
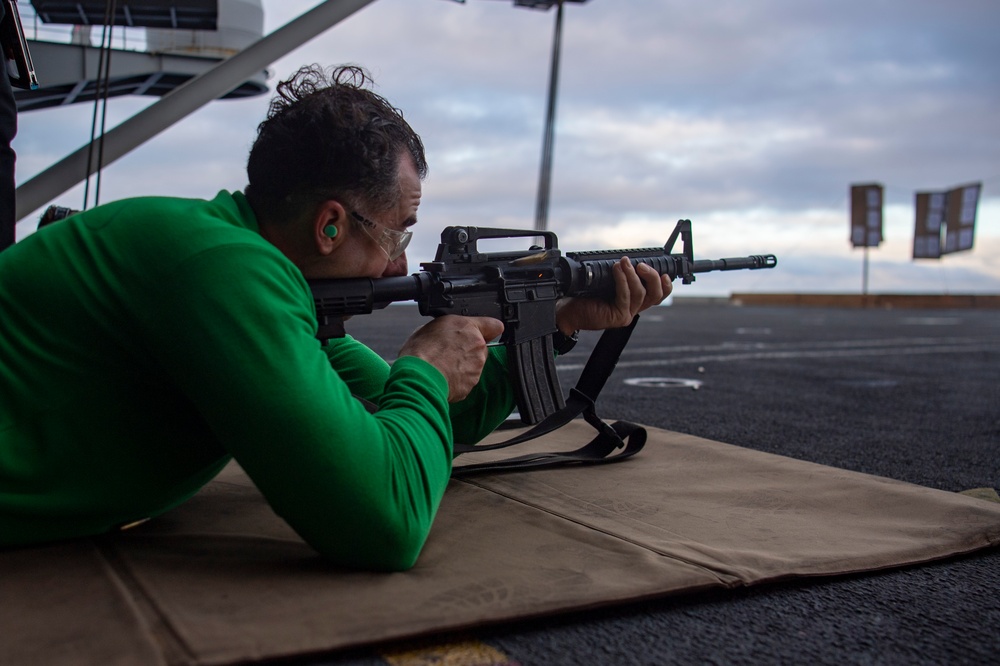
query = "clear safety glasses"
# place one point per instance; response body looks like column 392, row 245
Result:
column 392, row 241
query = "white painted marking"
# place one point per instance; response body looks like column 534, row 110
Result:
column 931, row 321
column 664, row 382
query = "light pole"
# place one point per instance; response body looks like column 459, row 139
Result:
column 545, row 172
column 548, row 140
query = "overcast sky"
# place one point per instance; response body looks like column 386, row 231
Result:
column 751, row 119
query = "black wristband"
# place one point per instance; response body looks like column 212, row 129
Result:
column 563, row 343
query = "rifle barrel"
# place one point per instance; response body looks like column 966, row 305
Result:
column 752, row 262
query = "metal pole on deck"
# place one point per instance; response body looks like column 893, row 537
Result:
column 864, row 277
column 545, row 176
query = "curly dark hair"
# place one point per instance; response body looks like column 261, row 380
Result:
column 327, row 136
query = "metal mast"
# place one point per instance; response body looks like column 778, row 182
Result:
column 545, row 173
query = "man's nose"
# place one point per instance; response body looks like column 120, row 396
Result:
column 396, row 268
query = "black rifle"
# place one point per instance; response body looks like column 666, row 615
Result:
column 518, row 288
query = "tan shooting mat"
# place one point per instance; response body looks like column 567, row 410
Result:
column 223, row 580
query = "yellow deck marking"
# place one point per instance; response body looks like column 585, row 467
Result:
column 464, row 653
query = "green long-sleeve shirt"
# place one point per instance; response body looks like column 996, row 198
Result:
column 147, row 341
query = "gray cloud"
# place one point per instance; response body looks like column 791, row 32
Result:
column 726, row 112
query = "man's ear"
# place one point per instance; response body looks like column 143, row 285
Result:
column 329, row 226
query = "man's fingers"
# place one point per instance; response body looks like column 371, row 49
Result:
column 657, row 286
column 456, row 346
column 636, row 287
column 490, row 328
column 668, row 285
column 621, row 284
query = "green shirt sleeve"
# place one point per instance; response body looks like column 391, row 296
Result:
column 236, row 331
column 364, row 371
column 487, row 405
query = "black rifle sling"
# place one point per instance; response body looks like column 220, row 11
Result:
column 628, row 437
